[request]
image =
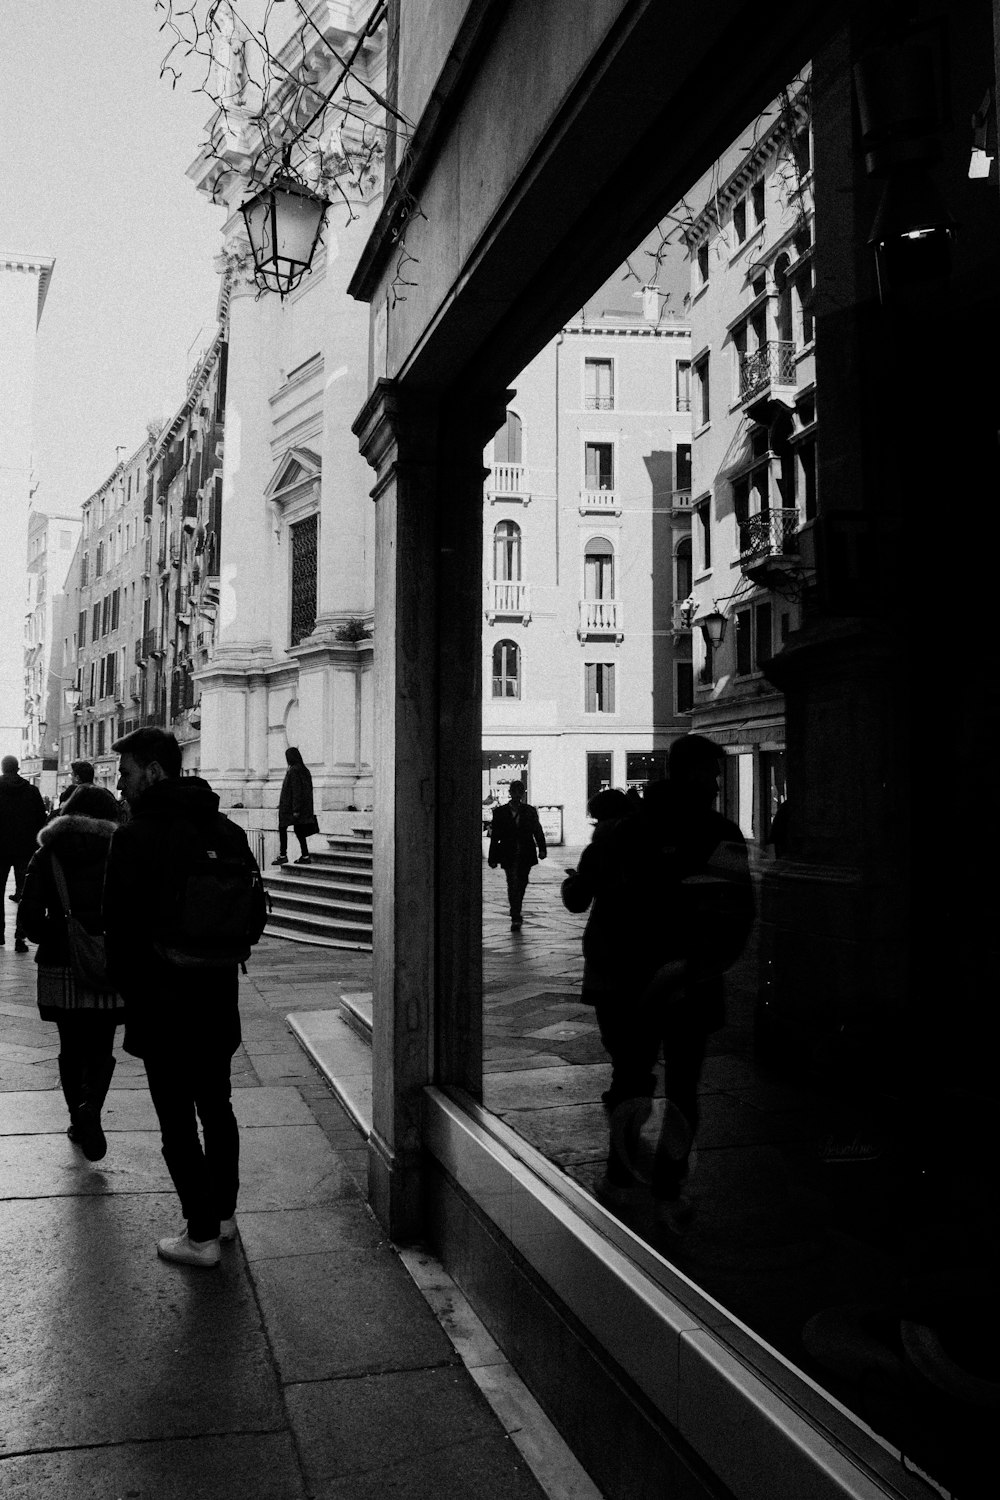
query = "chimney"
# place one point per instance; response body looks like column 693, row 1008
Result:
column 651, row 304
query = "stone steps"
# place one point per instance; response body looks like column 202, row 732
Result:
column 328, row 902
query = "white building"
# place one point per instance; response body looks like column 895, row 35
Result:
column 24, row 283
column 753, row 443
column 48, row 621
column 292, row 664
column 586, row 651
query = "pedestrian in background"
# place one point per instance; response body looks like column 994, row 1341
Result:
column 515, row 835
column 295, row 808
column 183, row 904
column 22, row 814
column 73, row 847
column 81, row 774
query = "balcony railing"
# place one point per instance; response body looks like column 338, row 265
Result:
column 150, row 644
column 508, row 482
column 599, row 403
column 770, row 365
column 600, row 617
column 683, row 614
column 508, row 598
column 599, row 502
column 770, row 533
column 681, row 500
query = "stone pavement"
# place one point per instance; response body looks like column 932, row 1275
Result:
column 309, row 1365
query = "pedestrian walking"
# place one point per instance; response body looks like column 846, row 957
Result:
column 183, row 904
column 65, row 881
column 295, row 808
column 22, row 813
column 671, row 909
column 515, row 835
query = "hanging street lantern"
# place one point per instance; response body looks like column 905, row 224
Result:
column 713, row 628
column 283, row 219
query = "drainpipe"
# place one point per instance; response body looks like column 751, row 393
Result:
column 559, row 339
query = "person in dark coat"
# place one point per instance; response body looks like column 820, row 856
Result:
column 22, row 813
column 79, row 837
column 515, row 834
column 295, row 808
column 183, row 1022
column 671, row 908
column 81, row 774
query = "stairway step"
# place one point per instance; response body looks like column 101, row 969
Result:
column 320, row 890
column 319, row 875
column 340, row 911
column 321, row 931
column 356, row 1010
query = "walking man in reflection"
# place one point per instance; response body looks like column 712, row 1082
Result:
column 515, row 835
column 671, row 910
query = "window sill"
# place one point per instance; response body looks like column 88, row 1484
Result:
column 700, row 431
column 699, row 293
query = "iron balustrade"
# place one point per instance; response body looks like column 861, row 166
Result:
column 769, row 533
column 772, row 364
column 600, row 403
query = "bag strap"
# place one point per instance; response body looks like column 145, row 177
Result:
column 61, row 887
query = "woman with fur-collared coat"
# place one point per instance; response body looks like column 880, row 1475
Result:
column 79, row 838
column 295, row 808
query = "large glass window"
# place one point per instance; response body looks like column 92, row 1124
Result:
column 599, row 384
column 507, row 443
column 599, row 466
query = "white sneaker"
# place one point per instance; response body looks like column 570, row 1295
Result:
column 184, row 1251
column 227, row 1229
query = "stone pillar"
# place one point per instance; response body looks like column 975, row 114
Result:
column 427, row 1006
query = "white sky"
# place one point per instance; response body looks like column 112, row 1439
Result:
column 93, row 151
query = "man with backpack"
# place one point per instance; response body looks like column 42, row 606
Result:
column 183, row 904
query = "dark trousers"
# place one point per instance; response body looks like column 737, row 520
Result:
column 283, row 840
column 185, row 1090
column 633, row 1036
column 86, row 1057
column 19, row 864
column 517, row 883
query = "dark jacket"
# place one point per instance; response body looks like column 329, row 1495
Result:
column 22, row 813
column 81, row 845
column 169, row 1010
column 665, row 887
column 513, row 839
column 295, row 804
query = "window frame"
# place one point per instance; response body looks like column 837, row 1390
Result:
column 603, row 686
column 591, row 401
column 610, row 445
column 504, row 677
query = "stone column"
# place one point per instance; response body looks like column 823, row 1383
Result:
column 427, row 1006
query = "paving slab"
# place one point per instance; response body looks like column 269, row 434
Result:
column 414, row 1433
column 352, row 1312
column 537, row 1088
column 44, row 1112
column 328, row 1230
column 101, row 1338
column 247, row 1466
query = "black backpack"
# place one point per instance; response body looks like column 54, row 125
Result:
column 215, row 906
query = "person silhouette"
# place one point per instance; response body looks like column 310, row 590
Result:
column 671, row 909
column 515, row 835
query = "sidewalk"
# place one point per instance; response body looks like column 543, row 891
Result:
column 310, row 1365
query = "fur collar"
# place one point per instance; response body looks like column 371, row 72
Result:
column 75, row 823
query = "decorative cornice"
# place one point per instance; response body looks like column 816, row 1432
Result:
column 38, row 265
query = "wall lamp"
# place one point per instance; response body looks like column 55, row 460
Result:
column 74, row 698
column 283, row 220
column 713, row 628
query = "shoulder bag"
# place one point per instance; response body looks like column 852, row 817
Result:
column 86, row 949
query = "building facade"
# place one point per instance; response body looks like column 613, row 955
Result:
column 293, row 657
column 105, row 592
column 754, row 498
column 24, row 284
column 52, row 542
column 586, row 658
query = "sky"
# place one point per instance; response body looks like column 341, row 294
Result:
column 93, row 152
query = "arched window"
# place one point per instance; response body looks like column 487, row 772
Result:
column 507, row 443
column 682, row 565
column 507, row 552
column 599, row 569
column 506, row 670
